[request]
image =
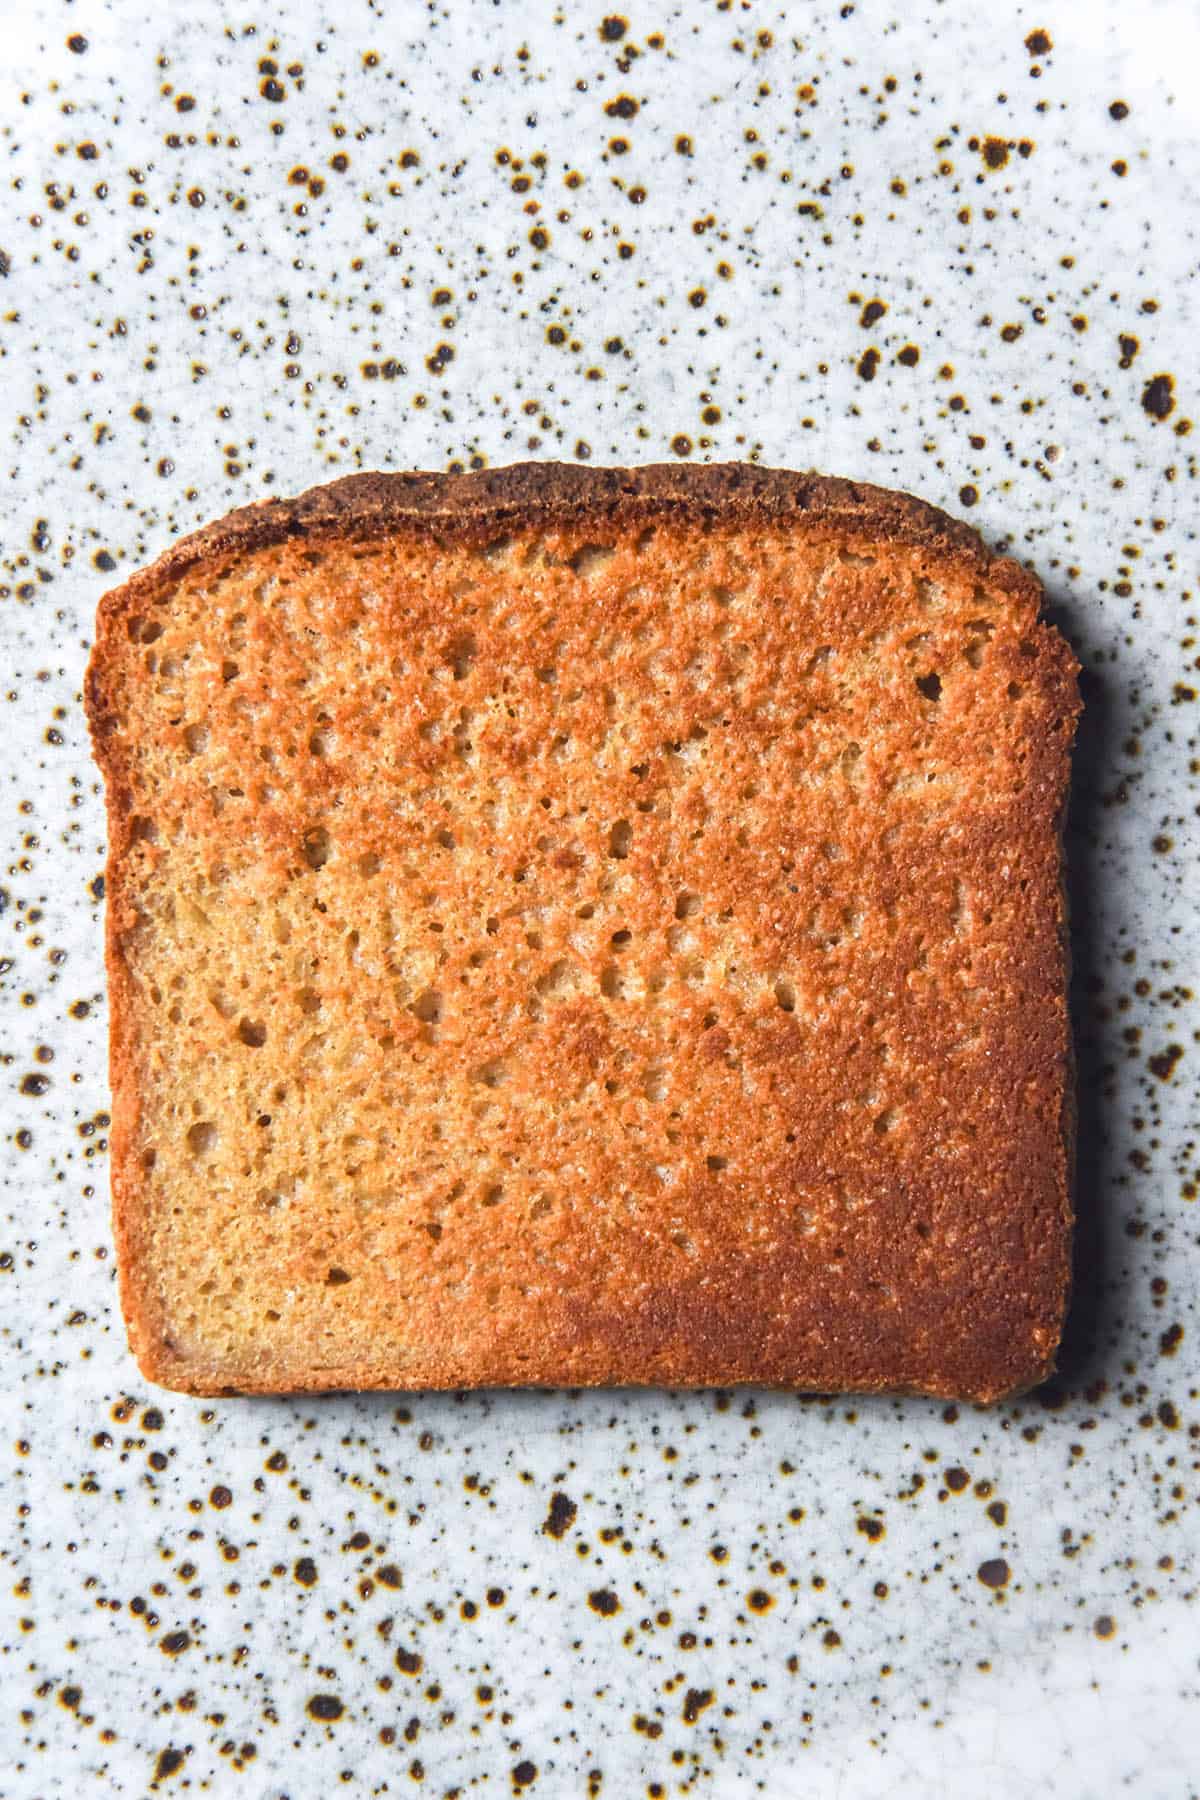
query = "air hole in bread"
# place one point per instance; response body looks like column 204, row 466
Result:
column 491, row 1074
column 461, row 653
column 252, row 1032
column 589, row 559
column 196, row 739
column 785, row 995
column 611, row 985
column 559, row 977
column 981, row 632
column 654, row 1084
column 202, row 1137
column 428, row 1006
column 620, row 838
column 687, row 905
column 492, row 1195
column 316, row 847
column 337, row 1278
column 930, row 686
column 717, row 1163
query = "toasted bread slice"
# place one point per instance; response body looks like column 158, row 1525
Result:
column 588, row 926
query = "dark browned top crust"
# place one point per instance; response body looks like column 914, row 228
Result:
column 588, row 926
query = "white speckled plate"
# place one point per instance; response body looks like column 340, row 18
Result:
column 947, row 247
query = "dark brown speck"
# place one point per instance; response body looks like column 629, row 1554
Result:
column 561, row 1516
column 326, row 1707
column 1158, row 396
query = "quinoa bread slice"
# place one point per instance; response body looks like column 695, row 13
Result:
column 588, row 926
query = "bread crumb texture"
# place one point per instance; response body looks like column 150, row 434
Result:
column 571, row 927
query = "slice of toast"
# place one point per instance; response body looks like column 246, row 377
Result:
column 588, row 926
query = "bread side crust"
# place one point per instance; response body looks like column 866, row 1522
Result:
column 476, row 509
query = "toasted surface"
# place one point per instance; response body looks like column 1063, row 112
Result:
column 587, row 926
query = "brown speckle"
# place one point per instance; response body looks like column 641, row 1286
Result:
column 561, row 1516
column 1163, row 1063
column 326, row 1707
column 1158, row 396
column 694, row 1703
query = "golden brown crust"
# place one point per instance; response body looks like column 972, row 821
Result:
column 917, row 1239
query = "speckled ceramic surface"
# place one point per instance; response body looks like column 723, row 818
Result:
column 948, row 248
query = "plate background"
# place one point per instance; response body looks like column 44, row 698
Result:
column 209, row 294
